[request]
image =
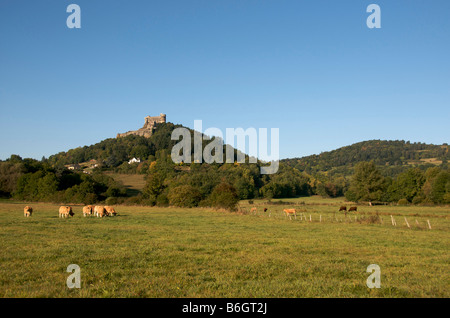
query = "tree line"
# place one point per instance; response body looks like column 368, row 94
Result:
column 414, row 185
column 223, row 185
column 33, row 180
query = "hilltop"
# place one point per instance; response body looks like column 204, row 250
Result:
column 113, row 152
column 392, row 157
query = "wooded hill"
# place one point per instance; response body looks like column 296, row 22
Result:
column 374, row 170
column 392, row 157
column 113, row 152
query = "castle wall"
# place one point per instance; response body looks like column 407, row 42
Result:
column 147, row 129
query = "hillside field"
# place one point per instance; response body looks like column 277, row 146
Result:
column 134, row 183
column 199, row 252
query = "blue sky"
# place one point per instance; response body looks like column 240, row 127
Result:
column 313, row 69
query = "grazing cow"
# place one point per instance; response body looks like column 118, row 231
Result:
column 27, row 211
column 289, row 212
column 353, row 208
column 265, row 209
column 253, row 210
column 343, row 208
column 65, row 211
column 99, row 211
column 110, row 211
column 88, row 210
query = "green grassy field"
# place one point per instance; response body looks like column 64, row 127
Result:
column 174, row 252
column 134, row 183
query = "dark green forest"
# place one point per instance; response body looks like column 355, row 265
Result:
column 376, row 171
column 392, row 157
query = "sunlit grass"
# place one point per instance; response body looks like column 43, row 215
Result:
column 175, row 252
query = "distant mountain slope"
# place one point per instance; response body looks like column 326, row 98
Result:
column 385, row 153
column 114, row 151
column 392, row 157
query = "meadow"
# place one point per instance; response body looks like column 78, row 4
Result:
column 200, row 252
column 133, row 183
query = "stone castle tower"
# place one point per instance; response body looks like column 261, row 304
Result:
column 147, row 129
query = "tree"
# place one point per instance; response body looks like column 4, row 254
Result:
column 225, row 196
column 184, row 196
column 440, row 188
column 154, row 185
column 10, row 172
column 140, row 151
column 367, row 183
column 407, row 185
column 14, row 159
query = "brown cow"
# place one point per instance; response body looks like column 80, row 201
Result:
column 27, row 211
column 253, row 210
column 353, row 208
column 88, row 210
column 99, row 211
column 265, row 209
column 343, row 208
column 289, row 212
column 110, row 211
column 65, row 211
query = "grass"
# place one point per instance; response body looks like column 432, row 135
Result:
column 134, row 183
column 175, row 252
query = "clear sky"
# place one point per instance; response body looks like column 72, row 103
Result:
column 313, row 69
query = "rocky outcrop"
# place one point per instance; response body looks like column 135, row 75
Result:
column 148, row 127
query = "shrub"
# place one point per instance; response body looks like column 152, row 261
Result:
column 133, row 201
column 90, row 198
column 150, row 200
column 111, row 201
column 447, row 198
column 162, row 200
column 418, row 200
column 351, row 196
column 184, row 196
column 279, row 202
column 371, row 219
column 225, row 196
column 402, row 202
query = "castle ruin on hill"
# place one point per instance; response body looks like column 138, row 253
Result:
column 147, row 130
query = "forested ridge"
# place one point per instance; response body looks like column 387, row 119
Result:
column 375, row 170
column 395, row 155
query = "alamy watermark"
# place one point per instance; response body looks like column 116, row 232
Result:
column 374, row 20
column 74, row 19
column 213, row 152
column 374, row 279
column 74, row 279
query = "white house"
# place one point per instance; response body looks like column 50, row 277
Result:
column 75, row 166
column 134, row 160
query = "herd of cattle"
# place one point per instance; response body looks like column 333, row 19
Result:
column 101, row 211
column 289, row 212
column 88, row 210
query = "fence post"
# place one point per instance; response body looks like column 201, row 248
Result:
column 407, row 222
column 393, row 221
